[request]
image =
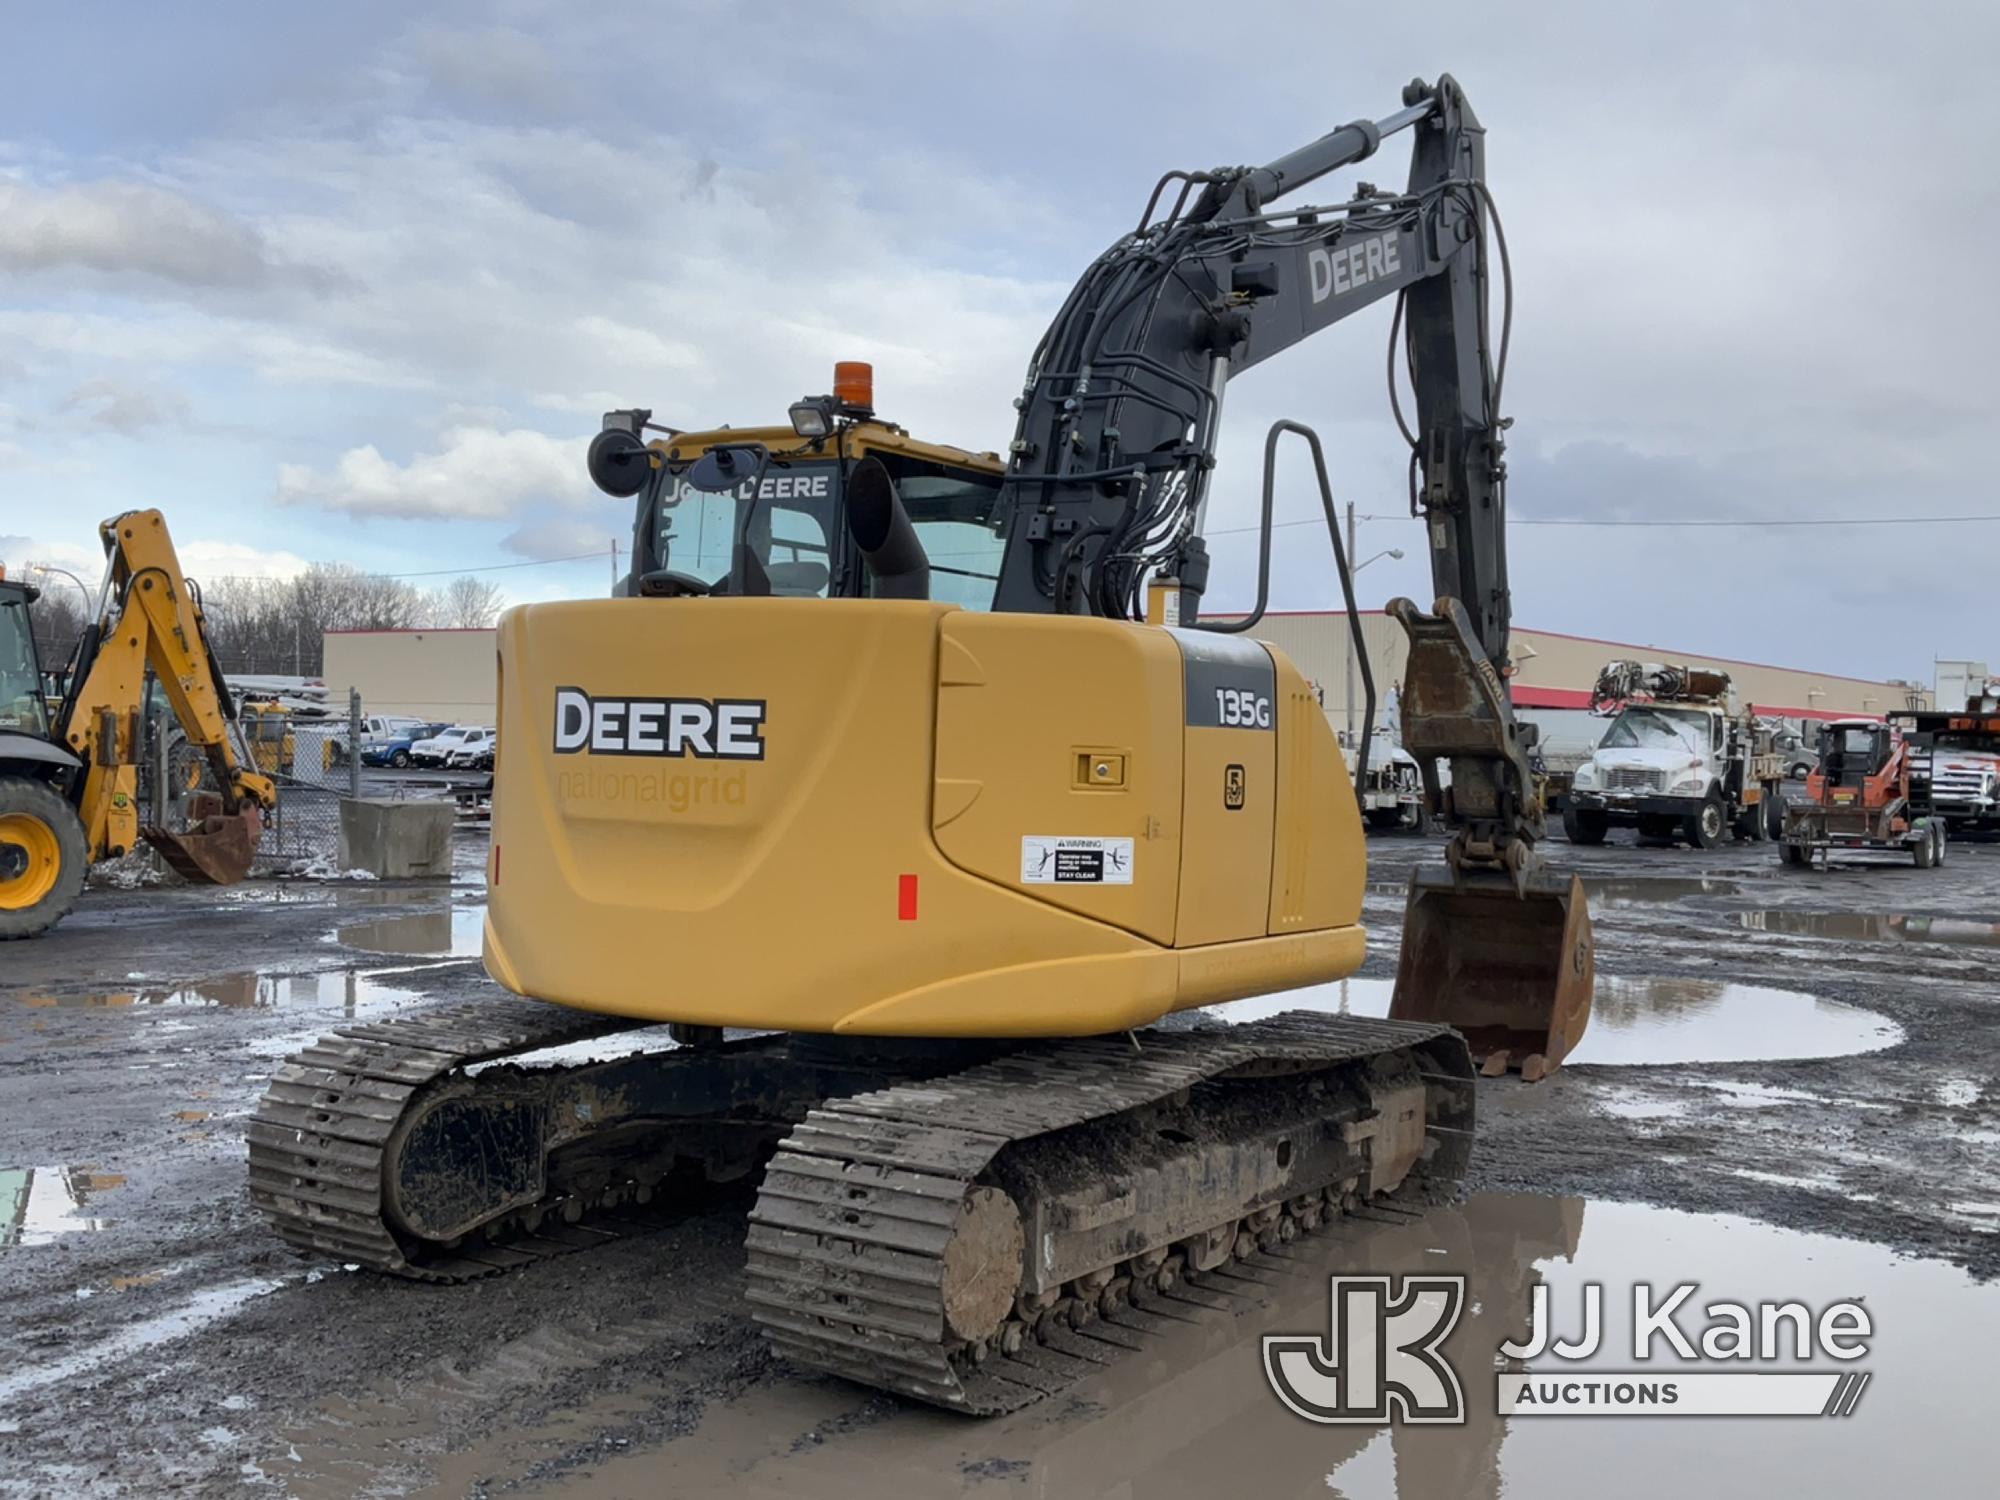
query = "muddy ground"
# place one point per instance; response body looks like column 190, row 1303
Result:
column 155, row 1337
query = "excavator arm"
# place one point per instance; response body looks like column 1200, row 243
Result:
column 150, row 616
column 1107, row 485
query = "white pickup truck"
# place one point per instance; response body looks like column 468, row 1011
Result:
column 1681, row 762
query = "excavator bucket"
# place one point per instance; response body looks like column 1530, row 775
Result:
column 1513, row 971
column 216, row 848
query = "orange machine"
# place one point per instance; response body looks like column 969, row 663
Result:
column 1864, row 796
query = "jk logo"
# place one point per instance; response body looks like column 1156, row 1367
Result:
column 1380, row 1359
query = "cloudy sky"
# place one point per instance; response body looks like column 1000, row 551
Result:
column 325, row 282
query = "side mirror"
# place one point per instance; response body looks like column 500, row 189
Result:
column 619, row 462
column 724, row 470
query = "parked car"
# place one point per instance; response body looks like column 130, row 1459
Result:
column 394, row 750
column 475, row 751
column 436, row 750
column 376, row 729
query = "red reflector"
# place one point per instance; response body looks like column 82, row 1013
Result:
column 906, row 898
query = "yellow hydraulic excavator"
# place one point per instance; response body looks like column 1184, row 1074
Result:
column 907, row 788
column 69, row 777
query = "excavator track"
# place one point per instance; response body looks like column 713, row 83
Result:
column 984, row 1240
column 431, row 1147
column 321, row 1136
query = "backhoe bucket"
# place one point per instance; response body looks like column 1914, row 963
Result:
column 216, row 849
column 1514, row 973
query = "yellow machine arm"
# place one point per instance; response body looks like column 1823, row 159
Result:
column 153, row 618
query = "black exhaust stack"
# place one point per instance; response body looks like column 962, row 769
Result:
column 881, row 529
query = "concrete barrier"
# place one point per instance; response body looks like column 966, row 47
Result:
column 396, row 840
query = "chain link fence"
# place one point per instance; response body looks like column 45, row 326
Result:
column 307, row 759
column 314, row 766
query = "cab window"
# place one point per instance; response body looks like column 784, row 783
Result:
column 954, row 513
column 787, row 528
column 21, row 705
column 795, row 552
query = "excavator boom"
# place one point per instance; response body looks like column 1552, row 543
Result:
column 1109, row 471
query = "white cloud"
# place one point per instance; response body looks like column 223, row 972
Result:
column 131, row 227
column 492, row 65
column 126, row 409
column 545, row 541
column 479, row 472
column 554, row 218
column 203, row 558
column 208, row 560
column 19, row 552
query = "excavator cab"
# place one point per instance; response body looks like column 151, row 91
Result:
column 847, row 511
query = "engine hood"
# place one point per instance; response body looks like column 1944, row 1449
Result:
column 1673, row 762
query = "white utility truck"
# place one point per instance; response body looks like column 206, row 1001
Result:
column 1683, row 760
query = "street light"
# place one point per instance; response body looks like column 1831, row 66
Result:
column 81, row 587
column 1395, row 552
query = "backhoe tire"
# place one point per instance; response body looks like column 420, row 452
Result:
column 42, row 857
column 1585, row 827
column 1773, row 811
column 1707, row 828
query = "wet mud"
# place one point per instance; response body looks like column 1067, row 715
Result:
column 1786, row 1106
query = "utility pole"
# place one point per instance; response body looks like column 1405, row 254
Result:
column 1347, row 635
column 1354, row 566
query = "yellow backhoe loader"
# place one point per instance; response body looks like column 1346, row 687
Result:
column 69, row 776
column 907, row 790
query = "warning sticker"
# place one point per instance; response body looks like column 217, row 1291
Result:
column 1075, row 861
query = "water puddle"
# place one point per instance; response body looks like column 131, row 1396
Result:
column 1821, row 1183
column 1620, row 890
column 1760, row 1096
column 1650, row 1020
column 1653, row 890
column 456, row 933
column 1194, row 1417
column 41, row 1204
column 1873, row 927
column 1629, row 1107
column 1956, row 1093
column 348, row 991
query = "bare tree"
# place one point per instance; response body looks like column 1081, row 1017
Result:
column 468, row 603
column 59, row 619
column 275, row 625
